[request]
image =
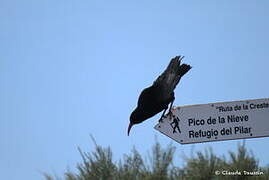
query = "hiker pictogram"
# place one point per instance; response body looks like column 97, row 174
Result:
column 176, row 124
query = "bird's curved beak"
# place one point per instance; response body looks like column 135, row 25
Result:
column 129, row 127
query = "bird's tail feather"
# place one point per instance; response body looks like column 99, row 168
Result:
column 183, row 69
column 172, row 74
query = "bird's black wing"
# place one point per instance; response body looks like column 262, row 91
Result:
column 168, row 80
column 171, row 72
column 161, row 92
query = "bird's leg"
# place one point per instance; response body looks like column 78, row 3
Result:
column 170, row 113
column 161, row 119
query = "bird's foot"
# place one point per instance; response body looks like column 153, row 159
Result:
column 170, row 114
column 161, row 119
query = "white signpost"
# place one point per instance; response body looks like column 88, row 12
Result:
column 217, row 121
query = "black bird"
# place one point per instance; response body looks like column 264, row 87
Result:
column 157, row 97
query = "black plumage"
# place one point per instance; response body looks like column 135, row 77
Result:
column 157, row 97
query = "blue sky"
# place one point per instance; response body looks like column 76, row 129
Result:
column 69, row 69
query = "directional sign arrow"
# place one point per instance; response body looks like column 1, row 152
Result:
column 217, row 121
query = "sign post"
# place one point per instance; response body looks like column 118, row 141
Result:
column 217, row 121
